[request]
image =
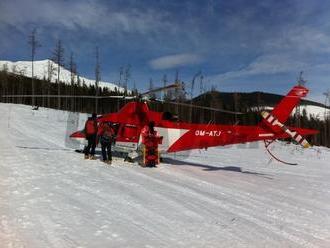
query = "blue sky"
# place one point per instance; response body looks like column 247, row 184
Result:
column 238, row 45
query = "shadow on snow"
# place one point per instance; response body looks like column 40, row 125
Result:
column 215, row 168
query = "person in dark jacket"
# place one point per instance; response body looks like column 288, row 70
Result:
column 106, row 136
column 91, row 134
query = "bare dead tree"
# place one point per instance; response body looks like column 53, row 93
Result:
column 192, row 92
column 34, row 43
column 58, row 58
column 176, row 92
column 121, row 73
column 73, row 72
column 327, row 104
column 127, row 76
column 201, row 91
column 5, row 81
column 301, row 82
column 97, row 77
column 50, row 72
column 72, row 68
column 22, row 73
column 326, row 116
column 164, row 84
column 151, row 87
column 201, row 85
column 134, row 90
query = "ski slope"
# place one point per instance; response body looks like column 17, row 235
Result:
column 223, row 197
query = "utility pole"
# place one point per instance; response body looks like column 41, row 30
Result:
column 33, row 42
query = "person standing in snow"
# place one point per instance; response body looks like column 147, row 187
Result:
column 91, row 134
column 106, row 136
column 150, row 142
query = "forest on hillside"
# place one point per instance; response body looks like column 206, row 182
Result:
column 248, row 104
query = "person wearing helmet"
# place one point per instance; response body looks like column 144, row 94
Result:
column 91, row 134
column 106, row 136
column 149, row 130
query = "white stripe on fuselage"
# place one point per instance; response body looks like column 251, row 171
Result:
column 170, row 136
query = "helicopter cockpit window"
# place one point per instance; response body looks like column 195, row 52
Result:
column 115, row 127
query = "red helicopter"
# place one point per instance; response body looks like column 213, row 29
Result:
column 180, row 136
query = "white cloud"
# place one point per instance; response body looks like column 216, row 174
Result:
column 90, row 15
column 176, row 60
column 300, row 39
column 266, row 64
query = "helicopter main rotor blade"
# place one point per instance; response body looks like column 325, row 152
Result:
column 118, row 97
column 165, row 88
column 202, row 107
column 71, row 96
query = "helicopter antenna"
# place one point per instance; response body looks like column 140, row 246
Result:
column 301, row 81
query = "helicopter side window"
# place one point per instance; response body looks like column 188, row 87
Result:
column 168, row 116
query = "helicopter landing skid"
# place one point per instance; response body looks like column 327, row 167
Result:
column 267, row 144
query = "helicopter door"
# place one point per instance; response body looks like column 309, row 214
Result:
column 127, row 138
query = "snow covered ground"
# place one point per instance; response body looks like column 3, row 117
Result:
column 311, row 110
column 224, row 197
column 41, row 70
column 315, row 111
